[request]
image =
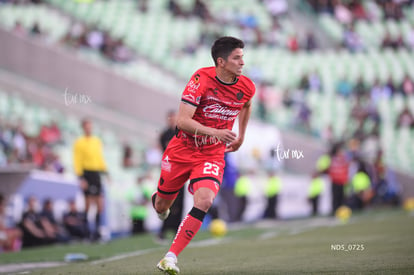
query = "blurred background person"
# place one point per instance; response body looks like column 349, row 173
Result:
column 338, row 173
column 272, row 190
column 53, row 229
column 139, row 196
column 174, row 219
column 10, row 236
column 314, row 192
column 34, row 234
column 241, row 191
column 74, row 222
column 89, row 163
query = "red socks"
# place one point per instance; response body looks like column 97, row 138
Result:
column 187, row 230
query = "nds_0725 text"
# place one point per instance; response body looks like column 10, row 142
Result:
column 347, row 247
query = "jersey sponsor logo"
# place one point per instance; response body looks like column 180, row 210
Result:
column 166, row 165
column 219, row 112
column 194, row 84
column 218, row 109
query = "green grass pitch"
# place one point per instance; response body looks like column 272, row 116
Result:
column 374, row 242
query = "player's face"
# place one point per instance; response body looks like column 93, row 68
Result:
column 87, row 128
column 234, row 63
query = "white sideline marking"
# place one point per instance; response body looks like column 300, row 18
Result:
column 125, row 255
column 203, row 243
column 25, row 267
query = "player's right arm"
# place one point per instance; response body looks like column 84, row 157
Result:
column 186, row 123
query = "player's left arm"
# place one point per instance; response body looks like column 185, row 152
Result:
column 243, row 120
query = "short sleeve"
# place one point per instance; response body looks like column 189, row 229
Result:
column 194, row 89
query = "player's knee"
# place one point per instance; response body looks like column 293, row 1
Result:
column 204, row 203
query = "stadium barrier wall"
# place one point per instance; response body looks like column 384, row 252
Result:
column 64, row 70
column 60, row 188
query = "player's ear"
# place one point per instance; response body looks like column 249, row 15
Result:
column 220, row 61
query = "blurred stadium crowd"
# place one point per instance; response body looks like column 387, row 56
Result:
column 348, row 79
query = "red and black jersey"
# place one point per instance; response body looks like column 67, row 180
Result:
column 218, row 104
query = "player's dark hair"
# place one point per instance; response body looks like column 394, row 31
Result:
column 223, row 47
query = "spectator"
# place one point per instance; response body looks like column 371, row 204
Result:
column 127, row 159
column 352, row 40
column 51, row 227
column 10, row 237
column 310, row 44
column 52, row 162
column 35, row 30
column 31, row 225
column 389, row 87
column 274, row 37
column 74, row 35
column 392, row 43
column 287, row 99
column 50, row 134
column 360, row 90
column 95, row 38
column 407, row 86
column 277, row 8
column 392, row 10
column 342, row 13
column 37, row 152
column 304, row 83
column 200, row 10
column 303, row 116
column 175, row 8
column 405, row 118
column 74, row 222
column 344, row 87
column 19, row 29
column 293, row 44
column 314, row 80
column 358, row 10
column 121, row 53
column 19, row 144
column 379, row 92
column 409, row 39
column 143, row 6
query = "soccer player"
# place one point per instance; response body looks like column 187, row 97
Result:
column 89, row 163
column 213, row 98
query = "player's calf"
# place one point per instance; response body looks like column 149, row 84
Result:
column 162, row 215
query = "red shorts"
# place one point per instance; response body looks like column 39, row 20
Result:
column 180, row 163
